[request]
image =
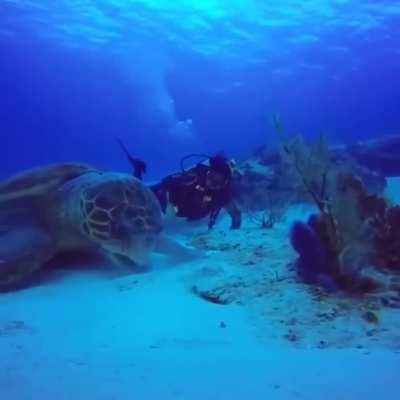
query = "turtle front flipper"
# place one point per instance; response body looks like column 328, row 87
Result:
column 23, row 251
column 177, row 252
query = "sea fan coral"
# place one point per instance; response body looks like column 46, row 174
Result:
column 352, row 231
column 320, row 264
column 387, row 238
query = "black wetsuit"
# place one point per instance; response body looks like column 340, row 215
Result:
column 193, row 199
column 196, row 193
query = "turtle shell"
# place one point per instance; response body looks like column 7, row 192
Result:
column 39, row 181
column 26, row 242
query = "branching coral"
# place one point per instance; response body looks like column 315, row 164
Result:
column 274, row 208
column 259, row 192
column 312, row 168
column 309, row 164
column 352, row 231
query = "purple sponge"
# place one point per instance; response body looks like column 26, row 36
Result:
column 312, row 265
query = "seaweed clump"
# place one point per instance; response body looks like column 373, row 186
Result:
column 353, row 232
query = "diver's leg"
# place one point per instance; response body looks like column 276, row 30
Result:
column 236, row 215
column 23, row 251
column 213, row 218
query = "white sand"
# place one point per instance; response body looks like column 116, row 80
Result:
column 393, row 189
column 148, row 336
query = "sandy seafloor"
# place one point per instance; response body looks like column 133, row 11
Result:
column 92, row 334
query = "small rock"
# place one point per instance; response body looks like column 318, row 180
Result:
column 291, row 336
column 213, row 296
column 371, row 317
column 322, row 344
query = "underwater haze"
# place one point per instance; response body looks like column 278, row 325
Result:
column 292, row 291
column 74, row 74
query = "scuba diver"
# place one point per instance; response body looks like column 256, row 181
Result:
column 201, row 191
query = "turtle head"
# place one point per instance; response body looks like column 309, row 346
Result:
column 123, row 217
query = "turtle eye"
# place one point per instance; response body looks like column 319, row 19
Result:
column 139, row 223
column 158, row 229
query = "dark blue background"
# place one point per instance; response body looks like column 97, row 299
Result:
column 60, row 104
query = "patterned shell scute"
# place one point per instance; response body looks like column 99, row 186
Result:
column 119, row 208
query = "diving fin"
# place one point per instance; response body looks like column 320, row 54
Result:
column 139, row 166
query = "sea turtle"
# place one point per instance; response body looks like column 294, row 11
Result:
column 71, row 206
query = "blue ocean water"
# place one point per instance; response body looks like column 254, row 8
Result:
column 75, row 74
column 173, row 77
